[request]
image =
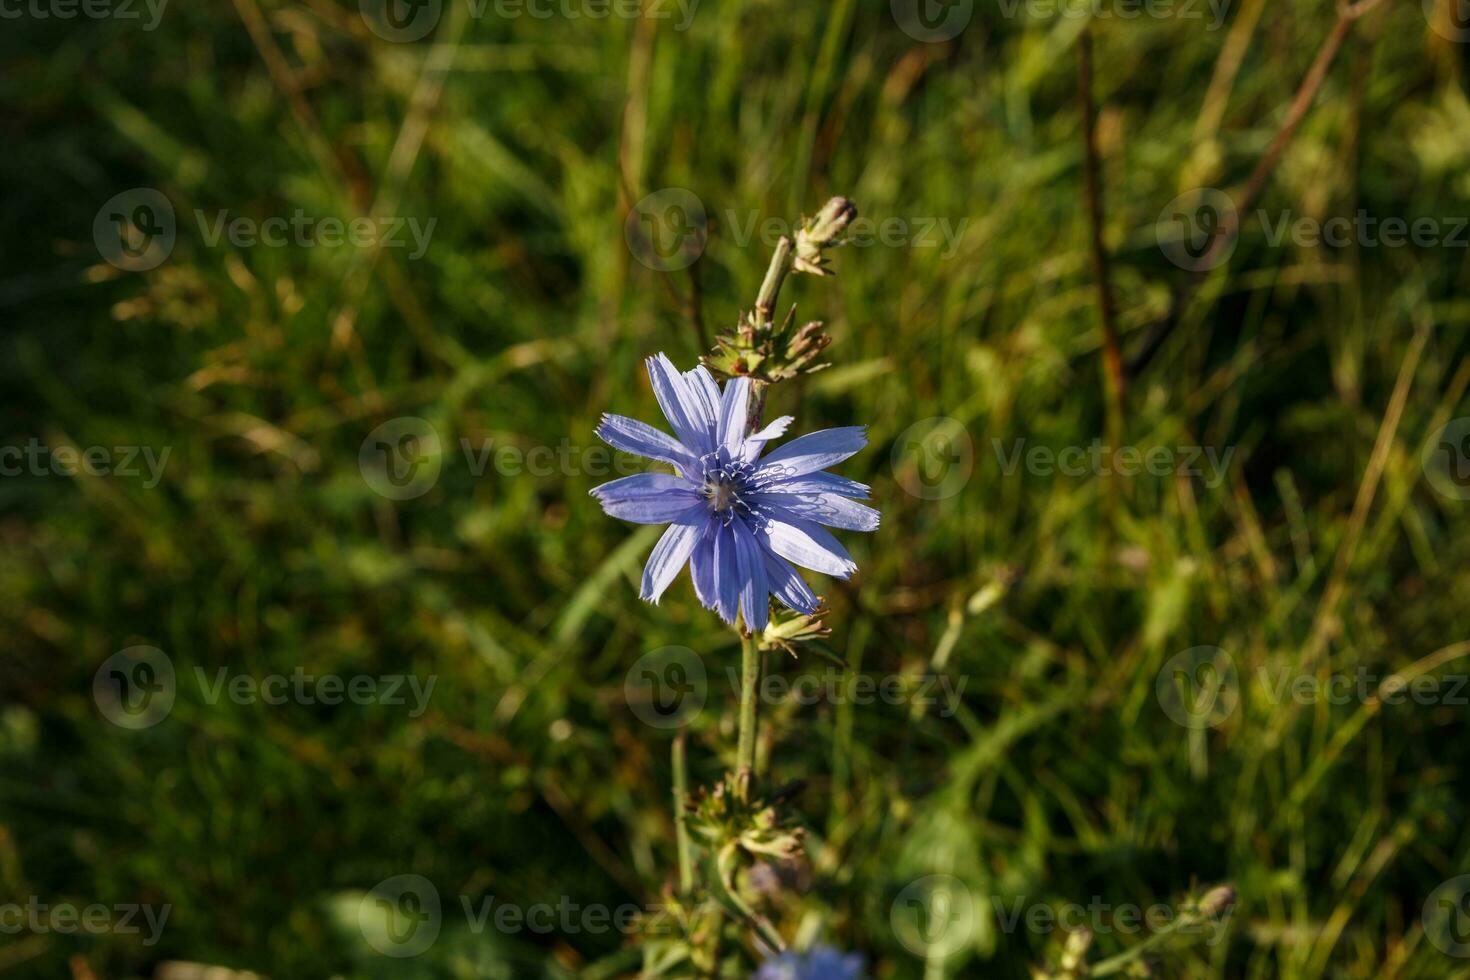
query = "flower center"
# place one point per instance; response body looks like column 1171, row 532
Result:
column 721, row 493
column 724, row 483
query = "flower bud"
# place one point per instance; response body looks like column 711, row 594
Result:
column 830, row 222
column 823, row 231
column 1074, row 952
column 1217, row 900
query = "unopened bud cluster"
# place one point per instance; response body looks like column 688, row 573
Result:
column 761, row 349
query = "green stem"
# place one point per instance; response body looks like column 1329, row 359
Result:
column 720, row 875
column 681, row 813
column 760, row 320
column 765, row 300
column 1113, row 964
column 750, row 678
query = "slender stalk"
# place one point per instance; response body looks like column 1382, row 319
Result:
column 1113, row 964
column 755, row 920
column 750, row 678
column 1113, row 379
column 1216, row 901
column 765, row 309
column 681, row 812
column 1347, row 15
column 765, row 301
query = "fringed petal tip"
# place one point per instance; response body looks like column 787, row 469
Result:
column 715, row 608
column 775, row 430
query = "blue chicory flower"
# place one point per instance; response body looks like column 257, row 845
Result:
column 740, row 521
column 821, row 963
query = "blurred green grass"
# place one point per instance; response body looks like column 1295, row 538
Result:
column 1059, row 779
